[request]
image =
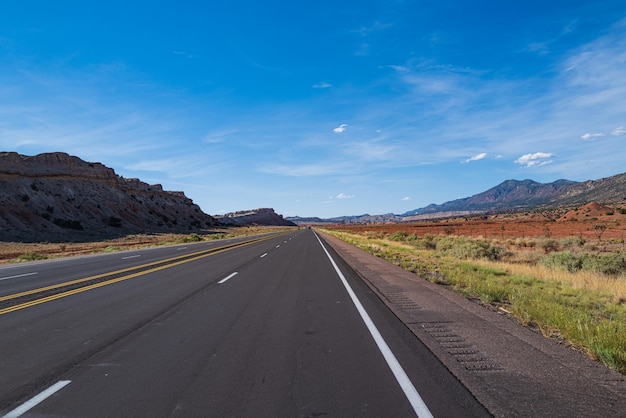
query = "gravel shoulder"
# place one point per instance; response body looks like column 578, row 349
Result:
column 513, row 371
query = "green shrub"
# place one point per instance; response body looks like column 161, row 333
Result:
column 549, row 245
column 67, row 224
column 398, row 236
column 572, row 242
column 613, row 264
column 193, row 237
column 565, row 260
column 30, row 256
column 470, row 249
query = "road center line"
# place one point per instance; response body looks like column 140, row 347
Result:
column 28, row 405
column 263, row 255
column 420, row 408
column 19, row 275
column 230, row 276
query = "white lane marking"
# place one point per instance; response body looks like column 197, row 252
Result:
column 278, row 246
column 28, row 405
column 180, row 249
column 409, row 390
column 230, row 276
column 131, row 256
column 19, row 275
column 263, row 255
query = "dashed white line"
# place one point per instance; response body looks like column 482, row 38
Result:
column 414, row 398
column 28, row 405
column 19, row 275
column 131, row 256
column 278, row 246
column 263, row 255
column 180, row 249
column 230, row 276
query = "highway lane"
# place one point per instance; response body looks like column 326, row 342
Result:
column 281, row 337
column 16, row 278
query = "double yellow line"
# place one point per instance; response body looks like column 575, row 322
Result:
column 144, row 269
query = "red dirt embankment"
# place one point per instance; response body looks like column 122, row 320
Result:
column 587, row 222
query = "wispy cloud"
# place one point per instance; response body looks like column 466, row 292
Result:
column 476, row 157
column 219, row 136
column 344, row 196
column 341, row 128
column 185, row 54
column 375, row 27
column 591, row 137
column 322, row 85
column 535, row 160
column 620, row 130
column 406, row 198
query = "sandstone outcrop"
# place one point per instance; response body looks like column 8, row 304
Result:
column 262, row 216
column 57, row 197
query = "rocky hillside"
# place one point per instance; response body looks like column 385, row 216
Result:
column 57, row 197
column 263, row 216
column 608, row 191
column 508, row 195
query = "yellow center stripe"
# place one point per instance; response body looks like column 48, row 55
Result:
column 169, row 263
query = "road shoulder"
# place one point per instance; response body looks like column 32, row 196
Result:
column 511, row 370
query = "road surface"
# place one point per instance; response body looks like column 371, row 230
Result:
column 273, row 326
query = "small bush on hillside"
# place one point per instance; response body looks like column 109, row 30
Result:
column 67, row 224
column 549, row 245
column 572, row 242
column 30, row 256
column 469, row 249
column 398, row 236
column 565, row 260
column 612, row 264
column 192, row 238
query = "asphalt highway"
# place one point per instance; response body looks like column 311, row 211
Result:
column 275, row 326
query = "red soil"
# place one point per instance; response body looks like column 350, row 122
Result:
column 581, row 222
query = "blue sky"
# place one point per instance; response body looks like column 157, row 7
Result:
column 322, row 108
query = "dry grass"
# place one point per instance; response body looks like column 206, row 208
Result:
column 585, row 308
column 11, row 252
column 586, row 280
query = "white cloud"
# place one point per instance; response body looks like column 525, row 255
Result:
column 344, row 196
column 591, row 137
column 405, row 198
column 535, row 160
column 476, row 157
column 322, row 85
column 341, row 128
column 620, row 130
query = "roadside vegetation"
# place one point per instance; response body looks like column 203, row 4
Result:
column 567, row 288
column 15, row 252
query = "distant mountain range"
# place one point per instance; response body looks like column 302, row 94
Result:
column 57, row 197
column 508, row 196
